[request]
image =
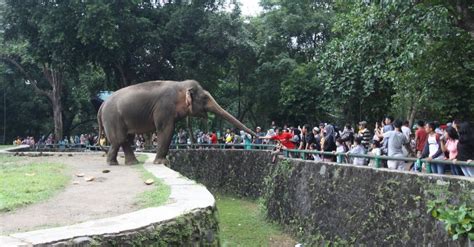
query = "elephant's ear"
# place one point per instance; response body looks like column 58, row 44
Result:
column 189, row 99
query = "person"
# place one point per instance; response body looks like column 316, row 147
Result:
column 304, row 136
column 358, row 149
column 347, row 135
column 237, row 140
column 388, row 124
column 364, row 133
column 406, row 129
column 432, row 149
column 246, row 139
column 420, row 138
column 213, row 137
column 449, row 144
column 283, row 137
column 259, row 133
column 465, row 147
column 329, row 143
column 375, row 151
column 228, row 137
column 182, row 136
column 340, row 148
column 396, row 140
column 102, row 140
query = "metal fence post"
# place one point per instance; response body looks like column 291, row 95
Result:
column 377, row 162
column 340, row 158
column 428, row 167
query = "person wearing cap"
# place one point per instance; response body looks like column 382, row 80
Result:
column 259, row 133
column 364, row 133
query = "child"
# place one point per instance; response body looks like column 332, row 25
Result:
column 375, row 152
column 358, row 149
column 340, row 148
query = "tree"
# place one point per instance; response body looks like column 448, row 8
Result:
column 385, row 48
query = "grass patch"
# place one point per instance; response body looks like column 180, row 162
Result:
column 142, row 158
column 242, row 224
column 155, row 197
column 23, row 184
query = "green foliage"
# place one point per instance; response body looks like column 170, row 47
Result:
column 297, row 62
column 396, row 54
column 24, row 184
column 458, row 220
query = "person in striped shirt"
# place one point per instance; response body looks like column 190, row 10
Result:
column 364, row 133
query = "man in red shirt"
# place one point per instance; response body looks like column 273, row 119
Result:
column 284, row 137
column 213, row 137
column 420, row 138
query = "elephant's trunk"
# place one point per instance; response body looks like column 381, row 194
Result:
column 217, row 109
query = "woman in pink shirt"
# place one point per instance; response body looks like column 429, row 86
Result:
column 450, row 145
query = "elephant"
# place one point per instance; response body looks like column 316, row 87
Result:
column 154, row 106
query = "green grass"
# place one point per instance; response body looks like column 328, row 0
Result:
column 155, row 197
column 142, row 158
column 17, row 189
column 242, row 224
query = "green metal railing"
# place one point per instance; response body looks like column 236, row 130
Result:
column 289, row 153
column 302, row 154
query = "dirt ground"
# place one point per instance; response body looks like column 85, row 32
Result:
column 110, row 194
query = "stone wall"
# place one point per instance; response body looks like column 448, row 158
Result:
column 199, row 228
column 323, row 203
column 232, row 171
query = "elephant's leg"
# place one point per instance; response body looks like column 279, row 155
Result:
column 164, row 139
column 112, row 155
column 130, row 158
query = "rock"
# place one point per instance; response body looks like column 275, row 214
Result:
column 82, row 241
column 59, row 155
column 16, row 154
column 89, row 179
column 149, row 181
column 80, row 175
column 105, row 171
column 70, row 155
column 75, row 182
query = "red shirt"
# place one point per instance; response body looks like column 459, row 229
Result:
column 285, row 138
column 213, row 138
column 421, row 137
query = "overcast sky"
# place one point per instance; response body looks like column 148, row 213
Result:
column 250, row 7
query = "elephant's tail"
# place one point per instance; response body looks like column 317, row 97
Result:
column 101, row 128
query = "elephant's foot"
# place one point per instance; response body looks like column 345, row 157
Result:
column 163, row 161
column 131, row 161
column 113, row 163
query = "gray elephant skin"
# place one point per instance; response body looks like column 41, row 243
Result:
column 154, row 106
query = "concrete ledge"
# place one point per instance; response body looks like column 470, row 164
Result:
column 188, row 199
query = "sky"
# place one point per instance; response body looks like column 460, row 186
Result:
column 250, row 7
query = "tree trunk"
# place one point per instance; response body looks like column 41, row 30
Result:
column 54, row 77
column 412, row 113
column 58, row 118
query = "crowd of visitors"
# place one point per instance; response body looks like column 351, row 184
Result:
column 82, row 140
column 431, row 141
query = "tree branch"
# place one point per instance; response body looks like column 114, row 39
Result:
column 27, row 76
